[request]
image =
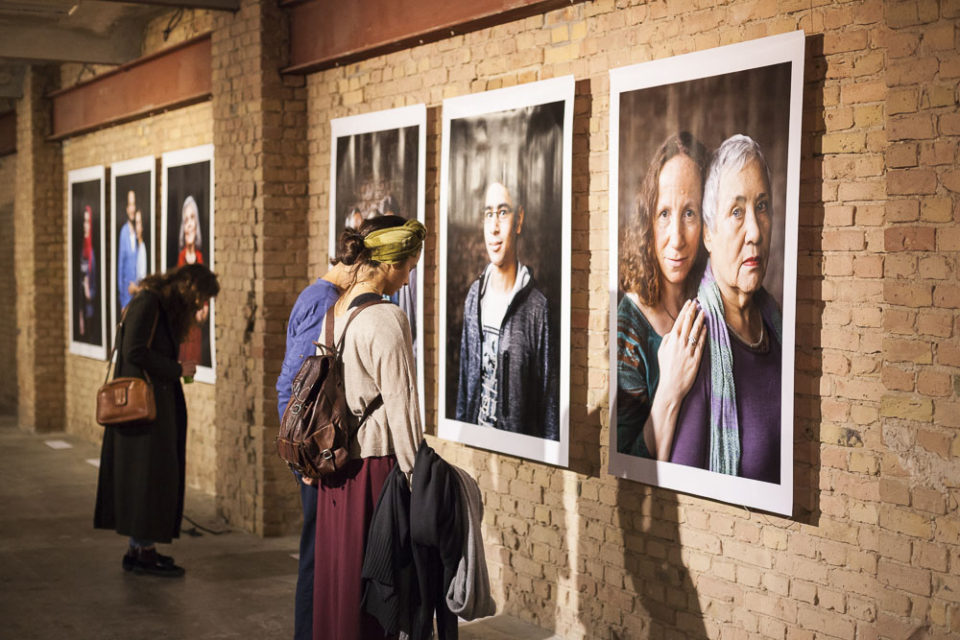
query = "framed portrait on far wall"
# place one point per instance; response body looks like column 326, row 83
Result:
column 132, row 229
column 505, row 198
column 186, row 230
column 704, row 193
column 87, row 298
column 378, row 167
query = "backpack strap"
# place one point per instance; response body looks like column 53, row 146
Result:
column 328, row 340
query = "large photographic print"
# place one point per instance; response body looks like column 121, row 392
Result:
column 704, row 174
column 186, row 227
column 505, row 269
column 378, row 167
column 131, row 229
column 87, row 298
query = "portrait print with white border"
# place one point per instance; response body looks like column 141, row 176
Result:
column 505, row 199
column 378, row 167
column 186, row 228
column 87, row 299
column 704, row 179
column 132, row 229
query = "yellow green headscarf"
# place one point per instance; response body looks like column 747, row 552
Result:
column 396, row 244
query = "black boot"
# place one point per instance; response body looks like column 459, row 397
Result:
column 148, row 562
column 130, row 558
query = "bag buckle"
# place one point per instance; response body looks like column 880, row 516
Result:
column 296, row 408
column 326, row 454
column 120, row 396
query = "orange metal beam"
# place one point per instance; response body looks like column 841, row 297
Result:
column 327, row 33
column 170, row 78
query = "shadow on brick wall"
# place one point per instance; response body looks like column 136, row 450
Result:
column 810, row 285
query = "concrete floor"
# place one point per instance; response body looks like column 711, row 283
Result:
column 61, row 578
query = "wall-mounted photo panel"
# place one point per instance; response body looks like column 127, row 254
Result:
column 85, row 256
column 378, row 167
column 186, row 230
column 132, row 225
column 505, row 270
column 704, row 179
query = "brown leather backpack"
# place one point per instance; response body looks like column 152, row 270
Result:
column 315, row 430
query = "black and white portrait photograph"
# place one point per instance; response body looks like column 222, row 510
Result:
column 132, row 226
column 186, row 226
column 87, row 279
column 505, row 269
column 378, row 167
column 704, row 177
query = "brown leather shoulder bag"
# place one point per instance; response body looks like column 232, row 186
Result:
column 126, row 401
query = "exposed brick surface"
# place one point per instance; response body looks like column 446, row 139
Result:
column 39, row 251
column 873, row 549
column 154, row 136
column 876, row 289
column 8, row 285
column 259, row 124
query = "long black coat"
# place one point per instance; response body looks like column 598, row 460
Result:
column 142, row 472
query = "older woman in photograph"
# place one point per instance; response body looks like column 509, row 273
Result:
column 191, row 238
column 191, row 241
column 730, row 419
column 659, row 328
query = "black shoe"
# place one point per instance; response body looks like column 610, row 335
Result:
column 130, row 559
column 149, row 563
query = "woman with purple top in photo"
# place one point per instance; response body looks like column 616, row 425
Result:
column 730, row 420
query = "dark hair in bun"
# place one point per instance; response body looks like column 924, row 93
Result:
column 350, row 248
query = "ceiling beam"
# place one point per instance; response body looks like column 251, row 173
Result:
column 37, row 43
column 216, row 5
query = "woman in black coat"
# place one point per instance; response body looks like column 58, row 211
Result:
column 142, row 471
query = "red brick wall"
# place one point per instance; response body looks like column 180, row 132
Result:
column 259, row 125
column 177, row 129
column 38, row 257
column 874, row 548
column 8, row 285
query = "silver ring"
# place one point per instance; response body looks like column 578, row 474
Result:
column 692, row 339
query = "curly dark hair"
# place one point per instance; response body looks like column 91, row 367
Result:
column 639, row 270
column 182, row 292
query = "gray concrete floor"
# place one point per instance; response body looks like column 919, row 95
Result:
column 61, row 578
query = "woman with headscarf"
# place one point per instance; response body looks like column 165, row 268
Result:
column 659, row 328
column 380, row 385
column 730, row 419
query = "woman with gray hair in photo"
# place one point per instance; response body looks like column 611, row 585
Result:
column 730, row 420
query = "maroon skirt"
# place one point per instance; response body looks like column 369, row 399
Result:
column 345, row 504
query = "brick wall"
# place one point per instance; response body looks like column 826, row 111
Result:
column 38, row 255
column 177, row 129
column 168, row 131
column 874, row 548
column 917, row 441
column 259, row 132
column 8, row 285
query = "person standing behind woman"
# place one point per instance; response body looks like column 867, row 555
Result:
column 659, row 327
column 306, row 321
column 377, row 362
column 142, row 471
